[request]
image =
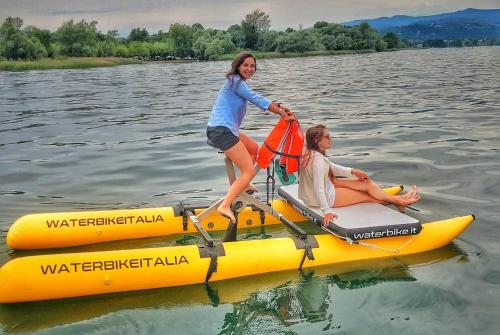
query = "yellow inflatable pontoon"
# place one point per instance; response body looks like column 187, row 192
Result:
column 56, row 230
column 79, row 274
column 362, row 232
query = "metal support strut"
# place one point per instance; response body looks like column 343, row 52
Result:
column 213, row 250
column 187, row 213
column 209, row 249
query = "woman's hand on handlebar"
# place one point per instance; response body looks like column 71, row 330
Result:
column 289, row 115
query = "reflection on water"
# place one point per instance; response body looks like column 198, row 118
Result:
column 134, row 136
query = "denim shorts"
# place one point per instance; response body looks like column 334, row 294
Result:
column 221, row 138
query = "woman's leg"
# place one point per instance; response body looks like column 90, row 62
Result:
column 346, row 196
column 253, row 149
column 377, row 193
column 251, row 145
column 242, row 159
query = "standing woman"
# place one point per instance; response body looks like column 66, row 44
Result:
column 319, row 187
column 223, row 128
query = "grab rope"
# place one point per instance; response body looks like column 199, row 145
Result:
column 279, row 154
column 371, row 246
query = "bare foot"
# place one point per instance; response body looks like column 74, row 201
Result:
column 413, row 190
column 411, row 193
column 408, row 199
column 227, row 213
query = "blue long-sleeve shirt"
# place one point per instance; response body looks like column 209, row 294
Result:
column 231, row 104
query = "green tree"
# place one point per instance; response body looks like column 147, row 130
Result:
column 380, row 45
column 105, row 48
column 329, row 41
column 200, row 45
column 139, row 49
column 237, row 35
column 43, row 35
column 333, row 29
column 355, row 35
column 392, row 40
column 16, row 44
column 77, row 39
column 227, row 42
column 10, row 26
column 198, row 30
column 122, row 51
column 297, row 41
column 214, row 49
column 162, row 49
column 362, row 37
column 182, row 36
column 160, row 36
column 213, row 43
column 138, row 35
column 197, row 27
column 365, row 29
column 268, row 41
column 112, row 35
column 253, row 25
column 9, row 29
column 373, row 41
column 54, row 49
column 20, row 46
column 320, row 24
column 343, row 42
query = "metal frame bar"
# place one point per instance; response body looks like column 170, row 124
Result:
column 242, row 201
column 196, row 223
column 247, row 199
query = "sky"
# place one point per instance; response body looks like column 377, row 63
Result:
column 154, row 15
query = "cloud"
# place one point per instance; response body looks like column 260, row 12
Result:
column 82, row 12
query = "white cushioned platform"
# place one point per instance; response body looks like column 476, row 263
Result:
column 360, row 221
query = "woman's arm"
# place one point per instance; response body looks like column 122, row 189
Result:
column 281, row 110
column 342, row 171
column 319, row 183
column 244, row 91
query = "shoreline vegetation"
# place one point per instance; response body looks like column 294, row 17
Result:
column 274, row 54
column 93, row 62
column 79, row 44
column 64, row 63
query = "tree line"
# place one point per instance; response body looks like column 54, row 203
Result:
column 83, row 39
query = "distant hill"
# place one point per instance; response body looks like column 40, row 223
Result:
column 467, row 24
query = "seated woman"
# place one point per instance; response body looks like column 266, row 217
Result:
column 319, row 187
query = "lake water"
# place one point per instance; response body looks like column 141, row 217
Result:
column 134, row 136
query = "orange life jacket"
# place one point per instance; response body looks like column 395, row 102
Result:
column 285, row 140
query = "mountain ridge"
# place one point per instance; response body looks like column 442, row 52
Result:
column 468, row 23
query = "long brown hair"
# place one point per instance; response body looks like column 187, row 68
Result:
column 237, row 61
column 313, row 136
